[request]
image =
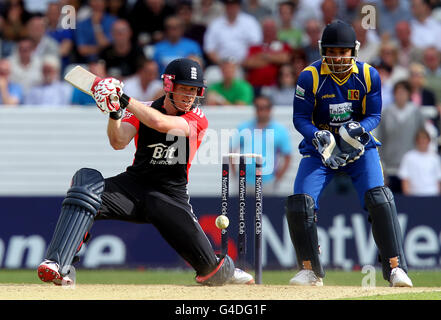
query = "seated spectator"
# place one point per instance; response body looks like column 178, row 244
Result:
column 263, row 60
column 432, row 63
column 25, row 67
column 145, row 85
column 94, row 33
column 192, row 30
column 313, row 29
column 396, row 141
column 425, row 29
column 349, row 10
column 122, row 56
column 420, row 95
column 206, row 11
column 118, row 9
column 6, row 46
column 11, row 93
column 174, row 45
column 97, row 67
column 257, row 9
column 298, row 61
column 16, row 17
column 231, row 90
column 420, row 169
column 286, row 32
column 387, row 96
column 369, row 42
column 273, row 142
column 329, row 11
column 52, row 92
column 407, row 52
column 64, row 37
column 390, row 13
column 231, row 35
column 282, row 93
column 147, row 19
column 304, row 11
column 389, row 57
column 43, row 44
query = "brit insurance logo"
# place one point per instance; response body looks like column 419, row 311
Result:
column 163, row 154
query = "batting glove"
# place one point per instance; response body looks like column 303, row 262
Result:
column 353, row 140
column 331, row 155
column 106, row 93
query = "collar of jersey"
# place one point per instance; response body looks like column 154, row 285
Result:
column 324, row 69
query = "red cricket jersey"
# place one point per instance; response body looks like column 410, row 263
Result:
column 163, row 158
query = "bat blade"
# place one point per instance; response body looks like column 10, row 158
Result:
column 81, row 79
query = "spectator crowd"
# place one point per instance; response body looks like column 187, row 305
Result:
column 247, row 48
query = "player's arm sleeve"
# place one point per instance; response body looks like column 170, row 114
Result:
column 371, row 104
column 131, row 119
column 197, row 123
column 303, row 106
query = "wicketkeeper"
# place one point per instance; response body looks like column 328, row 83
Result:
column 337, row 103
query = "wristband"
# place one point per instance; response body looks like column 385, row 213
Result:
column 124, row 101
column 116, row 115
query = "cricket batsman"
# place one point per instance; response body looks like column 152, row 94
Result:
column 337, row 103
column 167, row 133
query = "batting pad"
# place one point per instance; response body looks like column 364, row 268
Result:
column 78, row 211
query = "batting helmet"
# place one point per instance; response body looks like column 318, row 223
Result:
column 184, row 71
column 339, row 34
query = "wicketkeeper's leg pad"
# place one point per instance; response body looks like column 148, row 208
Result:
column 385, row 228
column 220, row 275
column 301, row 217
column 79, row 208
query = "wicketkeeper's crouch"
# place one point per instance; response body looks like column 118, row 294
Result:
column 154, row 188
column 337, row 103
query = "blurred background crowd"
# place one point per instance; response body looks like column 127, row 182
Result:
column 248, row 48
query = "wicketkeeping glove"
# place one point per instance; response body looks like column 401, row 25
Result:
column 331, row 155
column 106, row 93
column 353, row 140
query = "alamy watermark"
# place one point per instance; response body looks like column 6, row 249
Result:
column 68, row 17
column 369, row 17
column 369, row 280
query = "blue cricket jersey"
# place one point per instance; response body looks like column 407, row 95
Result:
column 324, row 102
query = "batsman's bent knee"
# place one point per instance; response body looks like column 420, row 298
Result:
column 79, row 208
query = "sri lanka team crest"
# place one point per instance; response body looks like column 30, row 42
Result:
column 353, row 94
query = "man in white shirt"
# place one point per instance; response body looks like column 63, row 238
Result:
column 52, row 92
column 425, row 29
column 420, row 169
column 145, row 85
column 231, row 35
column 25, row 67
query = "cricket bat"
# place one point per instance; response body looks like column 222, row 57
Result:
column 81, row 79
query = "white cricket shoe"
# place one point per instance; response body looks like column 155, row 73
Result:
column 241, row 277
column 399, row 278
column 306, row 278
column 48, row 271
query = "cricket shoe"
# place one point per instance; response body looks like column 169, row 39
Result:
column 306, row 278
column 399, row 278
column 241, row 277
column 48, row 271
